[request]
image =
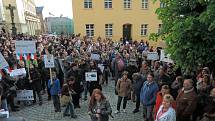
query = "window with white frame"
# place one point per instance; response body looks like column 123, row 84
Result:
column 127, row 4
column 159, row 28
column 90, row 30
column 144, row 29
column 145, row 4
column 108, row 3
column 88, row 4
column 108, row 30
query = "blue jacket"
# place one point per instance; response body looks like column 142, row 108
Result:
column 55, row 88
column 148, row 93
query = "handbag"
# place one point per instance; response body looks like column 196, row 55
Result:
column 64, row 100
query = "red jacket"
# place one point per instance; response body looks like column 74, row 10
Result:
column 159, row 100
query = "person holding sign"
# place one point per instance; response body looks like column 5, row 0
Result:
column 54, row 87
column 34, row 79
column 95, row 84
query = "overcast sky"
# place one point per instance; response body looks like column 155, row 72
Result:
column 56, row 7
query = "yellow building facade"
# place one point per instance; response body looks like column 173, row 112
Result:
column 134, row 19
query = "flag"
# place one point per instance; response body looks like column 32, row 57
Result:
column 28, row 59
column 34, row 59
column 20, row 56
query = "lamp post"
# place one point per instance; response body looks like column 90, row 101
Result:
column 12, row 8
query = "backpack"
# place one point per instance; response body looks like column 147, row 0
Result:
column 120, row 64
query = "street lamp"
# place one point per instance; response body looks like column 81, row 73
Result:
column 12, row 8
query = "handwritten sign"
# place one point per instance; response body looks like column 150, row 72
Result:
column 49, row 61
column 18, row 72
column 24, row 95
column 3, row 62
column 165, row 57
column 25, row 47
column 95, row 57
column 91, row 76
column 152, row 56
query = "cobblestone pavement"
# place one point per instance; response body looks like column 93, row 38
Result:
column 46, row 111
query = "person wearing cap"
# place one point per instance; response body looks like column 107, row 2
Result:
column 123, row 87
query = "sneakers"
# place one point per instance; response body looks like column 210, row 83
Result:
column 124, row 111
column 74, row 116
column 116, row 112
column 135, row 110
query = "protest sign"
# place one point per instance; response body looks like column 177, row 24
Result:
column 18, row 72
column 95, row 57
column 3, row 62
column 24, row 47
column 165, row 57
column 49, row 61
column 91, row 76
column 24, row 95
column 152, row 56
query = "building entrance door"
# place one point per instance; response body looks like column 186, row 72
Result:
column 127, row 32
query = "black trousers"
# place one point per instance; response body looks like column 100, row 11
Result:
column 75, row 100
column 137, row 100
column 56, row 102
column 119, row 102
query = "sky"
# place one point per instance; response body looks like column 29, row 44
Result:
column 56, row 7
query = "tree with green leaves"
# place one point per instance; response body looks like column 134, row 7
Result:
column 188, row 30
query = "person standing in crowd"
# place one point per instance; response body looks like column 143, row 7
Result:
column 144, row 70
column 99, row 107
column 186, row 101
column 117, row 67
column 148, row 96
column 95, row 84
column 54, row 87
column 163, row 78
column 138, row 81
column 34, row 79
column 176, row 86
column 209, row 108
column 166, row 112
column 159, row 99
column 68, row 91
column 124, row 87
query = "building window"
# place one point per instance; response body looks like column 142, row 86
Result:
column 145, row 4
column 108, row 3
column 144, row 29
column 90, row 30
column 127, row 4
column 108, row 30
column 159, row 28
column 88, row 4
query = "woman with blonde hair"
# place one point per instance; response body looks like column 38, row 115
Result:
column 99, row 106
column 166, row 112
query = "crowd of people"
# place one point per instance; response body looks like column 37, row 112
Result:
column 164, row 91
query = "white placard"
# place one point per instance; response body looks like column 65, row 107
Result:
column 3, row 62
column 49, row 61
column 91, row 76
column 95, row 57
column 101, row 67
column 165, row 57
column 24, row 95
column 25, row 47
column 152, row 56
column 18, row 72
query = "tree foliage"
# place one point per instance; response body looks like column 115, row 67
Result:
column 189, row 31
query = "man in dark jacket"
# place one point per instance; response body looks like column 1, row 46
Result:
column 186, row 101
column 137, row 83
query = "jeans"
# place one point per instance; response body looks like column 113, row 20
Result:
column 69, row 107
column 147, row 112
column 119, row 102
column 85, row 84
column 56, row 102
column 137, row 101
column 4, row 104
column 38, row 94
